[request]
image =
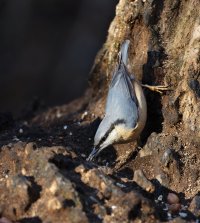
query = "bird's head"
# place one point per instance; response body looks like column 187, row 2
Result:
column 106, row 135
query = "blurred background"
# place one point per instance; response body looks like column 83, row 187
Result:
column 47, row 48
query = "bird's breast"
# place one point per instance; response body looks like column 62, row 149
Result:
column 124, row 134
column 142, row 107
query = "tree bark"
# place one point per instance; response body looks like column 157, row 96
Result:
column 165, row 49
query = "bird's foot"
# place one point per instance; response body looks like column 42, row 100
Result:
column 159, row 88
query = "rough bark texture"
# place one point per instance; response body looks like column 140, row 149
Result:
column 156, row 179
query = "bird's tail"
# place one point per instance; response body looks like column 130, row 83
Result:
column 123, row 54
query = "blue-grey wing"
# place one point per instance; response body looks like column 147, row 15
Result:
column 121, row 101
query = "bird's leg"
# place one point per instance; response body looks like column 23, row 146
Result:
column 159, row 88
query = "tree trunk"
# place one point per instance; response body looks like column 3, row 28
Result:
column 165, row 44
column 165, row 50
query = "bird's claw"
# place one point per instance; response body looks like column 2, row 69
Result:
column 159, row 88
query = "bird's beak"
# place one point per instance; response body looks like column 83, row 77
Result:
column 93, row 154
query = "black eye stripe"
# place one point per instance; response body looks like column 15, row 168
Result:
column 119, row 121
column 104, row 138
column 112, row 126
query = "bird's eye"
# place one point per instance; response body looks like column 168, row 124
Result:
column 103, row 138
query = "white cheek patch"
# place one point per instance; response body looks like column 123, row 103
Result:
column 112, row 137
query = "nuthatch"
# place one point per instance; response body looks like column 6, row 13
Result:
column 126, row 109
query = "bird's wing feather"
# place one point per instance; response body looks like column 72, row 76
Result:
column 121, row 101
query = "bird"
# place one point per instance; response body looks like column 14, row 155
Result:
column 126, row 107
